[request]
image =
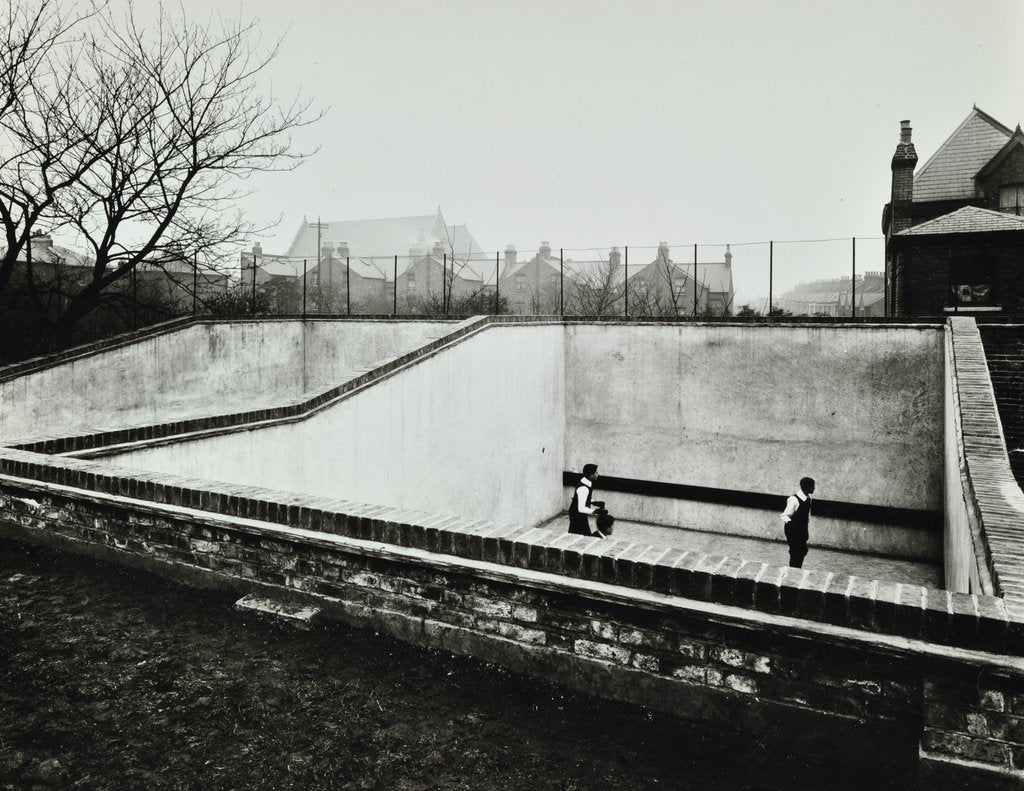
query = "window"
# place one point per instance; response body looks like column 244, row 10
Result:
column 520, row 282
column 411, row 281
column 1011, row 199
column 972, row 283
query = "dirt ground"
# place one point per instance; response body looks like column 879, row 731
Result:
column 116, row 679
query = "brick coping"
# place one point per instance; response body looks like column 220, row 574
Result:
column 988, row 480
column 965, row 621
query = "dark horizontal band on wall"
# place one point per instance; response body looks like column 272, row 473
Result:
column 879, row 514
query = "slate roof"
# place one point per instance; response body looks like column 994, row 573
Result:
column 717, row 277
column 386, row 237
column 968, row 219
column 949, row 173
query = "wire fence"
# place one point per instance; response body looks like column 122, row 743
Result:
column 824, row 277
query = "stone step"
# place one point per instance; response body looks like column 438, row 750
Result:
column 300, row 616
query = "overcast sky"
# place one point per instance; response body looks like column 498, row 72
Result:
column 595, row 123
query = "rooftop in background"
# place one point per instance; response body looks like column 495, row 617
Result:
column 386, row 237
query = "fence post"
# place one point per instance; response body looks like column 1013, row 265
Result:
column 695, row 281
column 195, row 279
column 497, row 265
column 394, row 308
column 135, row 299
column 561, row 282
column 625, row 282
column 853, row 282
column 771, row 265
column 348, row 288
column 303, row 288
column 444, row 284
column 253, row 303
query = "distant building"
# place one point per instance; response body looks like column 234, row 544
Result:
column 359, row 261
column 834, row 296
column 533, row 286
column 955, row 229
column 666, row 287
column 166, row 284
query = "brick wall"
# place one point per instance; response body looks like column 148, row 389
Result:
column 926, row 270
column 654, row 652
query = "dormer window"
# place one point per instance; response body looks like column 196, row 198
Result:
column 1011, row 199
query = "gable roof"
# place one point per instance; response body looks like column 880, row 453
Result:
column 1017, row 139
column 949, row 173
column 385, row 237
column 968, row 219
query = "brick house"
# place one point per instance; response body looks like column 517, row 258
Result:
column 423, row 282
column 955, row 229
column 665, row 287
column 532, row 286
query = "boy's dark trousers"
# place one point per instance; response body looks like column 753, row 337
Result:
column 796, row 537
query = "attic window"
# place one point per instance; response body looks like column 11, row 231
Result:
column 1011, row 199
column 520, row 282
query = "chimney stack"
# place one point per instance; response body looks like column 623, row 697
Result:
column 728, row 257
column 663, row 251
column 438, row 251
column 615, row 257
column 903, row 163
column 905, row 130
column 510, row 257
column 343, row 250
column 257, row 249
column 545, row 249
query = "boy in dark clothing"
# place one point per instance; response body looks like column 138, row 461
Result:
column 797, row 517
column 582, row 506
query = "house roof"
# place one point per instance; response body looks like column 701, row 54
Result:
column 538, row 261
column 717, row 277
column 385, row 237
column 968, row 219
column 949, row 173
column 1017, row 139
column 55, row 254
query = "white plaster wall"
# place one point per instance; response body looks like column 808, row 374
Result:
column 209, row 368
column 475, row 431
column 755, row 408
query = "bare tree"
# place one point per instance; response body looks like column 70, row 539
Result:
column 42, row 131
column 596, row 290
column 136, row 142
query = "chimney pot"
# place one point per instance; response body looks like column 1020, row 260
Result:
column 343, row 249
column 905, row 130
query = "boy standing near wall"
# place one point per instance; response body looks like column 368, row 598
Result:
column 797, row 517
